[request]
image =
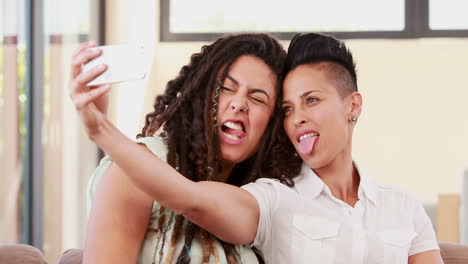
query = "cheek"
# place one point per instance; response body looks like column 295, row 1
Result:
column 335, row 127
column 259, row 121
column 325, row 117
column 221, row 101
column 288, row 128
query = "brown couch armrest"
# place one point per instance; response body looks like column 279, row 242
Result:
column 21, row 254
column 72, row 256
column 454, row 253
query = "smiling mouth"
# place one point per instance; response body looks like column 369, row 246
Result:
column 233, row 131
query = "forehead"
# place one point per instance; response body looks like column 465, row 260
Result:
column 306, row 78
column 253, row 72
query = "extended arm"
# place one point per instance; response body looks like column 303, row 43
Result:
column 213, row 206
column 227, row 211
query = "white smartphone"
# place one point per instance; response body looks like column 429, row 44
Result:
column 124, row 63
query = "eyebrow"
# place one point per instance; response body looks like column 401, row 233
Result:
column 302, row 96
column 259, row 91
column 254, row 90
column 232, row 79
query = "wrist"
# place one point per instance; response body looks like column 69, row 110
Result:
column 100, row 132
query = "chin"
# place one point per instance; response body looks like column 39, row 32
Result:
column 313, row 161
column 233, row 158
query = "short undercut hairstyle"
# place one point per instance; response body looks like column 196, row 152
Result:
column 328, row 54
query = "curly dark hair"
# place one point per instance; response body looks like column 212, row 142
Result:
column 184, row 112
column 310, row 48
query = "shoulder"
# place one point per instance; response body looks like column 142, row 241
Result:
column 385, row 194
column 391, row 190
column 394, row 195
column 267, row 190
column 265, row 183
column 157, row 145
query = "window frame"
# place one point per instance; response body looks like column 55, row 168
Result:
column 33, row 209
column 416, row 26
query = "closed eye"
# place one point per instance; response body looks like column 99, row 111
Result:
column 258, row 100
column 224, row 88
column 259, row 95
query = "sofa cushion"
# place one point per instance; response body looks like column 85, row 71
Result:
column 454, row 253
column 20, row 254
column 72, row 256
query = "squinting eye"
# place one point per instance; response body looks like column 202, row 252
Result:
column 223, row 88
column 257, row 100
column 311, row 100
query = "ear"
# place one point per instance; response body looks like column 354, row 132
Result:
column 355, row 105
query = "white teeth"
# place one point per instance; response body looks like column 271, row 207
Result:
column 231, row 136
column 307, row 135
column 233, row 125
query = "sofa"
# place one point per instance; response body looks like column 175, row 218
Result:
column 22, row 254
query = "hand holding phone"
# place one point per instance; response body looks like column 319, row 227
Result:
column 124, row 63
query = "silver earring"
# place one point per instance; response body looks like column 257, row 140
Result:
column 353, row 118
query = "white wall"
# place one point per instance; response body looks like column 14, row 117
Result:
column 130, row 22
column 414, row 127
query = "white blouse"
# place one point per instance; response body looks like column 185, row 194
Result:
column 307, row 224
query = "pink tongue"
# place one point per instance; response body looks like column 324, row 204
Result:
column 237, row 133
column 307, row 145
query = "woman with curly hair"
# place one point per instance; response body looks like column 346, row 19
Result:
column 217, row 118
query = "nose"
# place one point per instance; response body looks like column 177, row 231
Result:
column 239, row 105
column 299, row 118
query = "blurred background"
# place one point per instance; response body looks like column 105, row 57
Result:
column 412, row 61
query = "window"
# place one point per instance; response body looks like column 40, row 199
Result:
column 44, row 156
column 13, row 102
column 279, row 16
column 206, row 19
column 448, row 14
column 66, row 24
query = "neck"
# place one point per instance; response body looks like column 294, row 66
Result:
column 226, row 170
column 342, row 178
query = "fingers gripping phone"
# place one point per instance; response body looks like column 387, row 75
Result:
column 124, row 63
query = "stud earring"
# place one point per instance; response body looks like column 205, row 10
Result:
column 353, row 118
